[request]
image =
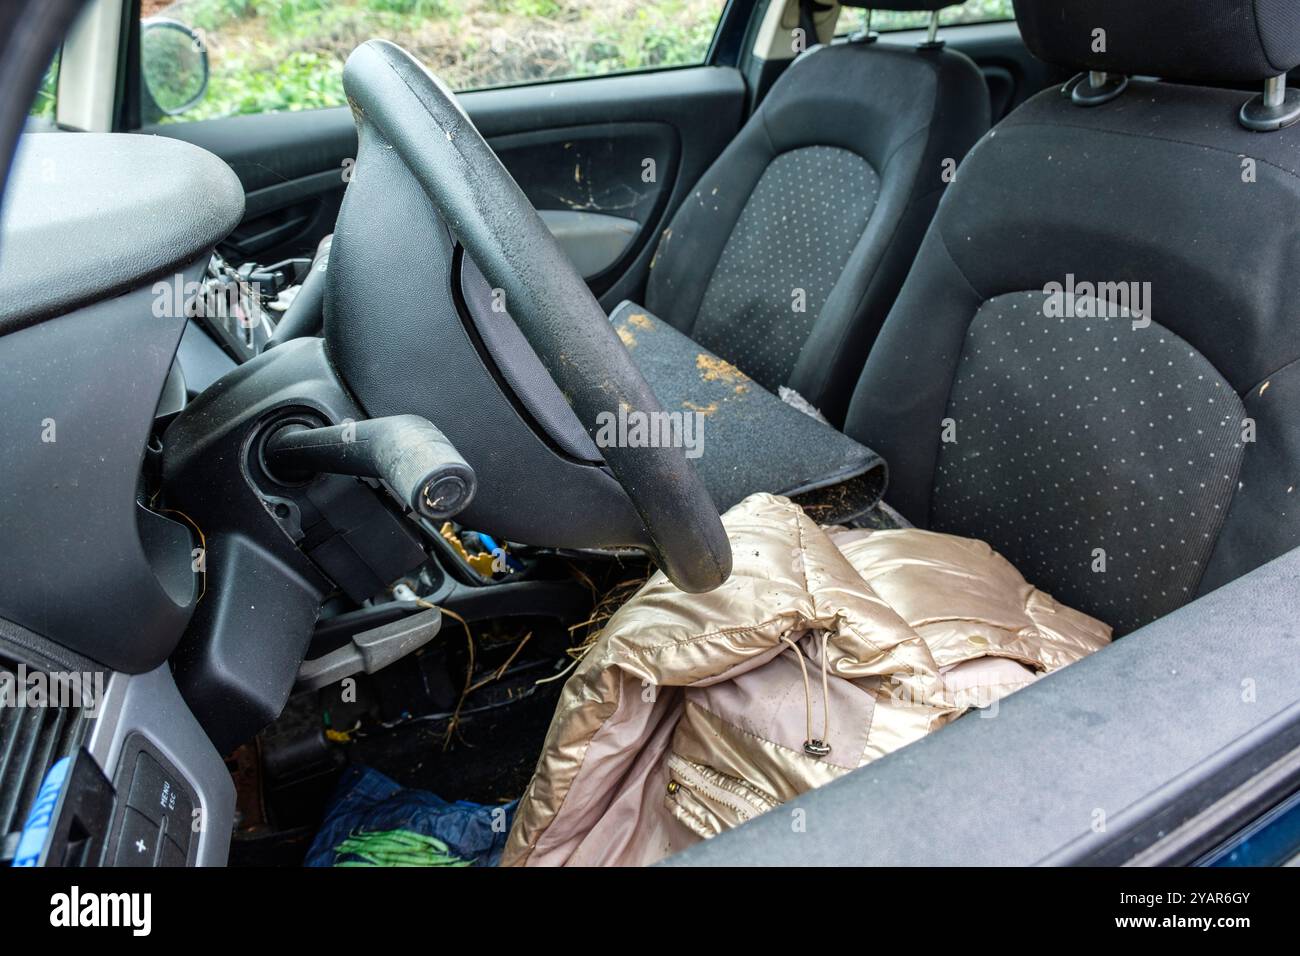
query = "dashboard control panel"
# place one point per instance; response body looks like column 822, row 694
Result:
column 156, row 818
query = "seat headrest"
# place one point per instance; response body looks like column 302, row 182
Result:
column 1195, row 41
column 901, row 4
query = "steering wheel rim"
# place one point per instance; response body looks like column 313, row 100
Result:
column 394, row 97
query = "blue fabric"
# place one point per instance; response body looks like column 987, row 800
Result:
column 368, row 801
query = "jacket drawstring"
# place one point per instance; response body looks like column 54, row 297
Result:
column 814, row 746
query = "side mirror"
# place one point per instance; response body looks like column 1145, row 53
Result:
column 173, row 63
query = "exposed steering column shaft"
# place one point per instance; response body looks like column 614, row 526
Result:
column 406, row 452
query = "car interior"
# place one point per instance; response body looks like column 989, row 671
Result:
column 379, row 524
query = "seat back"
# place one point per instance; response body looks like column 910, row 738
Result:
column 1093, row 364
column 786, row 256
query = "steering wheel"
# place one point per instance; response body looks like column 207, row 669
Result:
column 397, row 100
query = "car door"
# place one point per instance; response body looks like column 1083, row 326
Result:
column 604, row 113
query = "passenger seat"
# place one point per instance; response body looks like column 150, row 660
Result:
column 786, row 257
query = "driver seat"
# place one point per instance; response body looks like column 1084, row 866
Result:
column 1094, row 365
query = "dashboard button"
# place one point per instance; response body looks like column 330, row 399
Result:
column 137, row 844
column 172, row 855
column 155, row 793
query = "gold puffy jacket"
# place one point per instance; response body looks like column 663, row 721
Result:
column 825, row 650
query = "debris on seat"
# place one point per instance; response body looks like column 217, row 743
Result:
column 742, row 438
column 825, row 650
column 374, row 821
column 795, row 400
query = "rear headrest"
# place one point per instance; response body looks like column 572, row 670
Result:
column 901, row 4
column 1195, row 41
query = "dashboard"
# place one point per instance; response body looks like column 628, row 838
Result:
column 103, row 235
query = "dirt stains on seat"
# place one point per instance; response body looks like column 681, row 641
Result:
column 714, row 369
column 664, row 239
column 638, row 320
column 705, row 410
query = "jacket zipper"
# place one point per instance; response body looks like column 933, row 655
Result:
column 690, row 779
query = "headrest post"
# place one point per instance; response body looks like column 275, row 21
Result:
column 1275, row 91
column 1097, row 87
column 932, row 42
column 1276, row 108
column 865, row 35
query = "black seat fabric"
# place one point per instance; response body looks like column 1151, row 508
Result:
column 786, row 256
column 1126, row 463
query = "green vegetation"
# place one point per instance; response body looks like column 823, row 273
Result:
column 395, row 847
column 972, row 11
column 43, row 105
column 271, row 55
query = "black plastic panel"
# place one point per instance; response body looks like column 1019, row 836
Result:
column 274, row 550
column 261, row 594
column 74, row 566
column 91, row 216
